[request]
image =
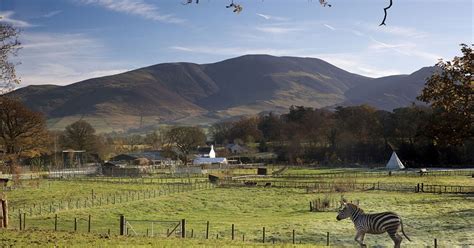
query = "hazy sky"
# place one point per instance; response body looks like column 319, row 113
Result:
column 65, row 41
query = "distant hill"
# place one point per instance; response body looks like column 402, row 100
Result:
column 187, row 93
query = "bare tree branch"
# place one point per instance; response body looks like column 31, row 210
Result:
column 385, row 11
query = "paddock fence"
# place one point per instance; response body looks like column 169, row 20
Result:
column 99, row 200
column 410, row 173
column 350, row 186
column 277, row 233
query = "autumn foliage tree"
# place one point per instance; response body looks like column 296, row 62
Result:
column 451, row 94
column 22, row 131
column 186, row 139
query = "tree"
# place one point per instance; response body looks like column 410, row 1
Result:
column 451, row 93
column 79, row 135
column 157, row 138
column 9, row 46
column 186, row 139
column 22, row 131
column 220, row 131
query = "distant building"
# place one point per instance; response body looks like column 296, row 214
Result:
column 73, row 158
column 236, row 148
column 115, row 170
column 144, row 158
column 209, row 158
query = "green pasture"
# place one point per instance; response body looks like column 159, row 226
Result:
column 446, row 217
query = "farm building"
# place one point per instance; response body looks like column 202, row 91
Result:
column 115, row 170
column 236, row 148
column 209, row 158
column 73, row 158
column 144, row 158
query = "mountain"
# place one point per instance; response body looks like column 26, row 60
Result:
column 390, row 92
column 198, row 94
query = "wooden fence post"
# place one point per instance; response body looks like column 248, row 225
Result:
column 19, row 218
column 183, row 228
column 207, row 230
column 75, row 224
column 435, row 243
column 5, row 212
column 263, row 235
column 293, row 236
column 122, row 224
column 89, row 224
column 233, row 231
column 327, row 239
column 24, row 221
column 55, row 222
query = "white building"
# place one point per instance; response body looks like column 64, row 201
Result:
column 209, row 158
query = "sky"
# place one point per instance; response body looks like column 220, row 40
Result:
column 66, row 41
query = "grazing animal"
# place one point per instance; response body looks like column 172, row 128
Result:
column 372, row 223
column 249, row 183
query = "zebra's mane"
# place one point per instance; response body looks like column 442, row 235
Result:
column 355, row 207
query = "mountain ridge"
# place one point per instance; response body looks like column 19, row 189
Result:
column 189, row 93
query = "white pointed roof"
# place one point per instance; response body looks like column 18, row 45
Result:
column 212, row 153
column 394, row 163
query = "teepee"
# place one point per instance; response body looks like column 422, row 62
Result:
column 394, row 163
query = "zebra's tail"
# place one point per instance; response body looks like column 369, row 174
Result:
column 404, row 234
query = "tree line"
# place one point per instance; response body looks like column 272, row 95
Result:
column 349, row 135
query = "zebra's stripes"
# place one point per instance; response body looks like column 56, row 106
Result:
column 378, row 223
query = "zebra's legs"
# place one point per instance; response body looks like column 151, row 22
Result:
column 359, row 238
column 397, row 239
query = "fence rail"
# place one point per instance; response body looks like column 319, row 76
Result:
column 141, row 180
column 188, row 230
column 379, row 174
column 345, row 187
column 98, row 200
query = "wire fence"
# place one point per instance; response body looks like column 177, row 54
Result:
column 312, row 186
column 280, row 233
column 98, row 200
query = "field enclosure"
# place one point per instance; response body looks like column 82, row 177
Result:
column 154, row 207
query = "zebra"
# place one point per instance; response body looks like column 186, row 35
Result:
column 372, row 223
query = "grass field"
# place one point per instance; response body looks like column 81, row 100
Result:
column 447, row 217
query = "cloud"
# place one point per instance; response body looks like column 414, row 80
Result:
column 329, row 26
column 355, row 64
column 53, row 58
column 52, row 13
column 7, row 17
column 270, row 17
column 134, row 7
column 396, row 31
column 405, row 48
column 277, row 30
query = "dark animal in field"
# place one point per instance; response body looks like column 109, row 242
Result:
column 378, row 223
column 268, row 185
column 4, row 181
column 249, row 183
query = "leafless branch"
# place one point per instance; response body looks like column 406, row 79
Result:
column 385, row 11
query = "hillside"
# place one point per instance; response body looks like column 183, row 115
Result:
column 198, row 94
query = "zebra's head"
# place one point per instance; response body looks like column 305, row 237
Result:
column 345, row 211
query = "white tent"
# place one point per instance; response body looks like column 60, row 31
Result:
column 394, row 163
